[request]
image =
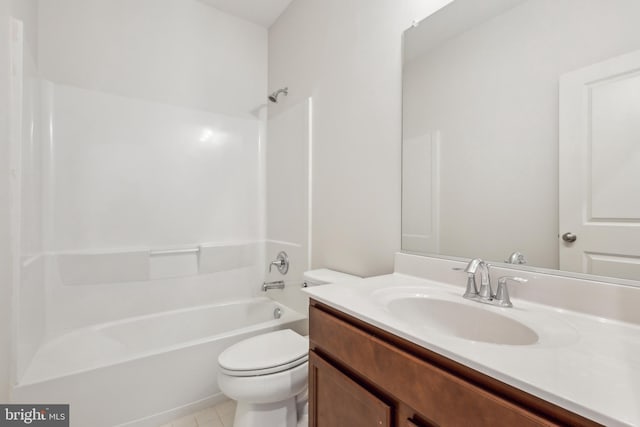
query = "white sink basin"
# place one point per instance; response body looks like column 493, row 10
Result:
column 462, row 320
column 431, row 311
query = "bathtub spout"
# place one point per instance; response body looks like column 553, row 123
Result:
column 278, row 284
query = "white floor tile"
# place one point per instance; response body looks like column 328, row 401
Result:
column 220, row 415
column 188, row 421
column 225, row 408
column 227, row 420
column 211, row 422
column 208, row 418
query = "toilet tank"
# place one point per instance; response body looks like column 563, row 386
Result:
column 323, row 276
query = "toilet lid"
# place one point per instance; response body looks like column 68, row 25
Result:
column 265, row 354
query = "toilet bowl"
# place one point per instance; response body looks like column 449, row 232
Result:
column 267, row 374
column 264, row 374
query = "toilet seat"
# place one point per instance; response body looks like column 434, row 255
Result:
column 265, row 371
column 265, row 354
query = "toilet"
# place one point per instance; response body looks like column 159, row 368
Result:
column 267, row 374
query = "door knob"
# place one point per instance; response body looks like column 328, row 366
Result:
column 569, row 237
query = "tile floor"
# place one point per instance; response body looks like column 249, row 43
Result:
column 220, row 415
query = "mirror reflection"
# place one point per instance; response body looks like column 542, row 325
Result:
column 521, row 134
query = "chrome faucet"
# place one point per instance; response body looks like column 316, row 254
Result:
column 516, row 258
column 281, row 262
column 278, row 284
column 485, row 295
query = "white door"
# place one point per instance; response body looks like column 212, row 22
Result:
column 421, row 193
column 600, row 168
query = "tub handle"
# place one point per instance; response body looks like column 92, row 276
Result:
column 282, row 262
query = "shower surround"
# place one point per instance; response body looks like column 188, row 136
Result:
column 140, row 155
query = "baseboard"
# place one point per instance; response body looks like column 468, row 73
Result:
column 175, row 413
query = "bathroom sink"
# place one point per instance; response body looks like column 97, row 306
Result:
column 462, row 320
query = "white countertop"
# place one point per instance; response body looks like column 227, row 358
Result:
column 586, row 364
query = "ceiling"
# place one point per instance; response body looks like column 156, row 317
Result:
column 261, row 12
column 450, row 21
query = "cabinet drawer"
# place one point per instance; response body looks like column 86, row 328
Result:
column 440, row 396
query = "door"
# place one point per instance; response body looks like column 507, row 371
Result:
column 600, row 168
column 335, row 400
column 421, row 193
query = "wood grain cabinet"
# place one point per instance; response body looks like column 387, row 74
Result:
column 360, row 376
column 340, row 401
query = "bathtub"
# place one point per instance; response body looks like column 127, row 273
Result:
column 146, row 370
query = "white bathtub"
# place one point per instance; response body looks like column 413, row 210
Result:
column 146, row 370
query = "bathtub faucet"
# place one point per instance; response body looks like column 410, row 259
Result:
column 278, row 284
column 281, row 262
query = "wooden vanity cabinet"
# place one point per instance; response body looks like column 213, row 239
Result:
column 360, row 375
column 340, row 401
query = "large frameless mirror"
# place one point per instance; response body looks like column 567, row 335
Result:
column 521, row 135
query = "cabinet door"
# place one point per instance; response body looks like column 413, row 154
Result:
column 407, row 417
column 335, row 400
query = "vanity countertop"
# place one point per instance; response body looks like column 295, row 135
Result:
column 586, row 364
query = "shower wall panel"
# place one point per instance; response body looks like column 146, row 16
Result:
column 132, row 179
column 130, row 173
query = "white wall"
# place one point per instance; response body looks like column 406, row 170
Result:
column 142, row 152
column 179, row 52
column 347, row 56
column 287, row 174
column 27, row 12
column 130, row 173
column 492, row 93
column 287, row 193
column 5, row 223
column 29, row 282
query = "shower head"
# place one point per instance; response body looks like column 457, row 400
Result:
column 274, row 96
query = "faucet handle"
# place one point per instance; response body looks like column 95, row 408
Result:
column 281, row 262
column 502, row 293
column 516, row 258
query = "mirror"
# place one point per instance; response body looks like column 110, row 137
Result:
column 521, row 135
